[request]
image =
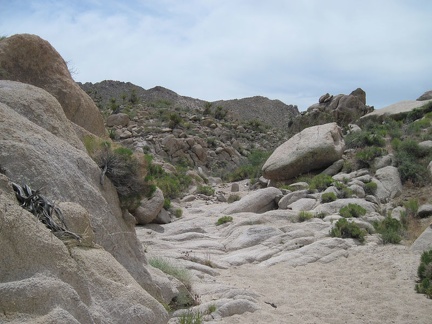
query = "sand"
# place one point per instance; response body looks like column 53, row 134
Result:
column 369, row 286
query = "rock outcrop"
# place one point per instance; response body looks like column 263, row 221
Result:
column 396, row 110
column 314, row 148
column 43, row 154
column 425, row 96
column 342, row 109
column 30, row 59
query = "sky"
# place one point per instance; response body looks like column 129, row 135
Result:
column 291, row 50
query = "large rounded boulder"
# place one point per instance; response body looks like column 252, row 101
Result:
column 30, row 59
column 313, row 148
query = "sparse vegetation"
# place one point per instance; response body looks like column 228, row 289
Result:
column 171, row 184
column 390, row 230
column 168, row 267
column 125, row 170
column 365, row 156
column 304, row 216
column 251, row 169
column 352, row 210
column 191, row 318
column 211, row 308
column 424, row 273
column 178, row 212
column 174, row 120
column 370, row 188
column 224, row 219
column 320, row 182
column 328, row 197
column 205, row 190
column 232, row 198
column 346, row 229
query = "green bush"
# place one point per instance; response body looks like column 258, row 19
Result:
column 223, row 220
column 220, row 113
column 178, row 212
column 123, row 169
column 320, row 182
column 370, row 188
column 174, row 120
column 410, row 168
column 411, row 206
column 418, row 126
column 366, row 155
column 424, row 272
column 328, row 197
column 205, row 190
column 171, row 184
column 167, row 203
column 345, row 229
column 363, row 138
column 345, row 192
column 304, row 216
column 232, row 198
column 252, row 168
column 390, row 230
column 352, row 210
column 412, row 148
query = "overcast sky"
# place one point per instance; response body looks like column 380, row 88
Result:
column 291, row 50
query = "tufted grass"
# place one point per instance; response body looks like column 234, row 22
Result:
column 180, row 273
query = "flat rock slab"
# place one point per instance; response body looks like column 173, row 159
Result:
column 398, row 108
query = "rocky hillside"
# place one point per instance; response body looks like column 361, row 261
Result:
column 273, row 113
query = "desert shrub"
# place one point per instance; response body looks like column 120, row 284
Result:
column 224, row 219
column 320, row 182
column 345, row 192
column 168, row 267
column 252, row 168
column 133, row 97
column 411, row 207
column 304, row 216
column 125, row 171
column 363, row 138
column 171, row 184
column 345, row 229
column 412, row 148
column 174, row 120
column 418, row 113
column 366, row 155
column 220, row 113
column 416, row 127
column 410, row 168
column 190, row 317
column 424, row 272
column 167, row 203
column 178, row 212
column 256, row 126
column 211, row 308
column 328, row 197
column 370, row 187
column 207, row 108
column 390, row 230
column 232, row 198
column 205, row 190
column 352, row 210
column 339, row 185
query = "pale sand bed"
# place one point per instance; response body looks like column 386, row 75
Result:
column 372, row 285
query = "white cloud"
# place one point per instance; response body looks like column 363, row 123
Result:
column 289, row 50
